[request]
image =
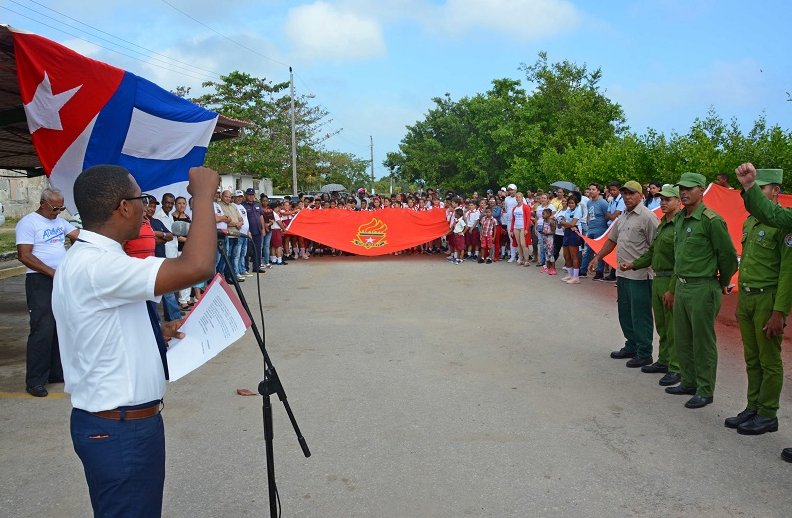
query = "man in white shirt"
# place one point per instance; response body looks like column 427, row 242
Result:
column 40, row 240
column 509, row 202
column 112, row 346
column 164, row 213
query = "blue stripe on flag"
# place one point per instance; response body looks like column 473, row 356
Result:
column 110, row 132
column 153, row 174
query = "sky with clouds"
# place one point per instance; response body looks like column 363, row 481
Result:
column 375, row 66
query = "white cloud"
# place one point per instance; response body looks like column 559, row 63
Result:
column 519, row 19
column 321, row 30
column 83, row 47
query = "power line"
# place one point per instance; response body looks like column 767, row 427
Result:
column 120, row 38
column 172, row 65
column 188, row 15
column 199, row 78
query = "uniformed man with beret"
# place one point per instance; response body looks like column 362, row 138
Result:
column 768, row 213
column 765, row 298
column 705, row 261
column 660, row 257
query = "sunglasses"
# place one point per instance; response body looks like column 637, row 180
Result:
column 145, row 198
column 54, row 209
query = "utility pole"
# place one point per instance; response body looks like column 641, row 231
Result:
column 372, row 163
column 294, row 136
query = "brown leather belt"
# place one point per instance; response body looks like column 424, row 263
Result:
column 130, row 414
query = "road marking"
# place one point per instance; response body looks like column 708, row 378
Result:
column 52, row 395
column 11, row 272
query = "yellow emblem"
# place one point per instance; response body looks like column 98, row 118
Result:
column 371, row 234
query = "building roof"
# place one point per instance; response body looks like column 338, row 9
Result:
column 16, row 145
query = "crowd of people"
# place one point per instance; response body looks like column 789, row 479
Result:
column 94, row 322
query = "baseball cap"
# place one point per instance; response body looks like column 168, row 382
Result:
column 250, row 190
column 239, row 193
column 691, row 180
column 668, row 191
column 152, row 199
column 768, row 176
column 631, row 186
column 512, row 186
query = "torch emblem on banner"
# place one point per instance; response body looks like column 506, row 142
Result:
column 371, row 234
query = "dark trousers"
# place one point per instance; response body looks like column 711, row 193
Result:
column 255, row 251
column 634, row 300
column 43, row 355
column 124, row 463
column 557, row 246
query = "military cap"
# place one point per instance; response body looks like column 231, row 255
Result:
column 669, row 191
column 632, row 186
column 691, row 180
column 768, row 176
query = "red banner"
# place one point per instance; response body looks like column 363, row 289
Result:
column 726, row 202
column 376, row 232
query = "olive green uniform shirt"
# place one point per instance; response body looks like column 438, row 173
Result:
column 660, row 255
column 767, row 261
column 765, row 210
column 702, row 246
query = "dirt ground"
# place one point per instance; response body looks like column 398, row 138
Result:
column 423, row 389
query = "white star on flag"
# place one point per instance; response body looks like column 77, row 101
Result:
column 43, row 110
column 370, row 240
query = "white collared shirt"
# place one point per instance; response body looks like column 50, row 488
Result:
column 172, row 246
column 108, row 349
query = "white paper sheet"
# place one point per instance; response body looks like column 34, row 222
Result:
column 216, row 322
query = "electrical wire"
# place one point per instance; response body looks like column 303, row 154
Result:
column 120, row 38
column 188, row 15
column 169, row 64
column 199, row 78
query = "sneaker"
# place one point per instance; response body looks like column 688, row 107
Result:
column 450, row 259
column 543, row 268
column 458, row 261
column 566, row 278
column 489, row 261
column 598, row 276
column 511, row 260
column 481, row 261
column 573, row 280
column 551, row 271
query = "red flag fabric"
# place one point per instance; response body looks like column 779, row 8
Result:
column 726, row 202
column 377, row 232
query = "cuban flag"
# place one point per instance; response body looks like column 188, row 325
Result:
column 82, row 112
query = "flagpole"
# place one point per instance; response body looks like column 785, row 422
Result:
column 293, row 135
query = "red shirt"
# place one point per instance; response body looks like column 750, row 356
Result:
column 143, row 245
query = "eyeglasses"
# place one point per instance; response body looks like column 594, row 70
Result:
column 144, row 198
column 54, row 209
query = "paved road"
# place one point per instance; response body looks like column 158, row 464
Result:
column 427, row 389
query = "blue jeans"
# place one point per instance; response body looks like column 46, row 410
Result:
column 588, row 253
column 265, row 248
column 233, row 254
column 242, row 263
column 171, row 307
column 124, row 463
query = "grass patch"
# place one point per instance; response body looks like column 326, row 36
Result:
column 7, row 235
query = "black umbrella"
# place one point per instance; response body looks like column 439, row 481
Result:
column 567, row 186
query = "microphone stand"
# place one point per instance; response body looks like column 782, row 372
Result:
column 271, row 384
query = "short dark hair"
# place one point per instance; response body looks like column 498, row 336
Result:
column 723, row 175
column 595, row 184
column 655, row 182
column 614, row 183
column 99, row 190
column 167, row 194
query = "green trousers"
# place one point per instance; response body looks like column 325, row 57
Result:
column 696, row 304
column 664, row 323
column 762, row 355
column 634, row 301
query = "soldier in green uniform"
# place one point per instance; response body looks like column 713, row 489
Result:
column 765, row 299
column 660, row 257
column 705, row 260
column 768, row 213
